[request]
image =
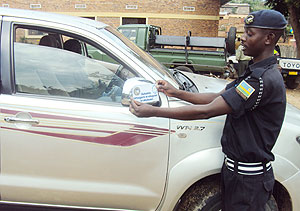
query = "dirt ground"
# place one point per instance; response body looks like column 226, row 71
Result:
column 293, row 96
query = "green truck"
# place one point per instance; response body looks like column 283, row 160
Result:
column 204, row 55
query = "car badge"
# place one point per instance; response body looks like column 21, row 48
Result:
column 137, row 91
column 249, row 19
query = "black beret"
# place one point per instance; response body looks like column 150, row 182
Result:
column 266, row 19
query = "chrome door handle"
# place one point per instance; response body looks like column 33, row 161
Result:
column 20, row 120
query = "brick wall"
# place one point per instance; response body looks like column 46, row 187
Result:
column 179, row 27
column 231, row 21
column 168, row 14
column 114, row 22
column 203, row 7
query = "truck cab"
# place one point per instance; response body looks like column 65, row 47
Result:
column 141, row 34
column 203, row 55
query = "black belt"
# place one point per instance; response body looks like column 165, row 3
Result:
column 247, row 168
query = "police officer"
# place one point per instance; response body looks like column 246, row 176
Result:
column 255, row 107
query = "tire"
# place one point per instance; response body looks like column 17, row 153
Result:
column 230, row 41
column 206, row 196
column 292, row 82
column 184, row 69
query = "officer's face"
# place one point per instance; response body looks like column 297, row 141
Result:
column 253, row 41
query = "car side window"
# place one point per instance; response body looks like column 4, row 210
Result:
column 47, row 63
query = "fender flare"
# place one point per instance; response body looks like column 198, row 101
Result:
column 188, row 171
column 209, row 162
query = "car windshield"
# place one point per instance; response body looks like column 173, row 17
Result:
column 140, row 54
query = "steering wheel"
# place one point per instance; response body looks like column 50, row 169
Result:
column 116, row 80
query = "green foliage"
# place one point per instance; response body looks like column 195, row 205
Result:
column 291, row 9
column 282, row 5
column 295, row 3
column 255, row 5
column 234, row 10
column 23, row 39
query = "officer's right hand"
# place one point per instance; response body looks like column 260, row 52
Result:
column 166, row 88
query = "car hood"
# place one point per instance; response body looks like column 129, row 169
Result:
column 207, row 83
column 211, row 84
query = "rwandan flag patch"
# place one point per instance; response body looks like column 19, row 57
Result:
column 244, row 90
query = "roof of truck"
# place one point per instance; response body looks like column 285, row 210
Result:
column 138, row 26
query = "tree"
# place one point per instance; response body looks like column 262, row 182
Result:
column 291, row 9
column 254, row 4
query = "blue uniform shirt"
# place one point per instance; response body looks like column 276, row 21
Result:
column 258, row 102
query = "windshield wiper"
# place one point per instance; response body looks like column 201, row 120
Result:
column 176, row 76
column 184, row 82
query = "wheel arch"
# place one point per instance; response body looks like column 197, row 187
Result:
column 205, row 187
column 205, row 166
column 282, row 197
column 188, row 172
column 184, row 68
column 280, row 193
column 177, row 63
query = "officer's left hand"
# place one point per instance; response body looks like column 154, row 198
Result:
column 141, row 109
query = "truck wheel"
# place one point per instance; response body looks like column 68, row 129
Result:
column 206, row 196
column 184, row 69
column 230, row 40
column 292, row 82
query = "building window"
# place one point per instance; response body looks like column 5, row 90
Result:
column 133, row 21
column 33, row 34
column 5, row 5
column 80, row 6
column 131, row 7
column 35, row 6
column 189, row 9
column 92, row 18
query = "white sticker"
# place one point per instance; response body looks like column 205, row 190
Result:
column 146, row 93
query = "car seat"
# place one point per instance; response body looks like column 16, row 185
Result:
column 48, row 40
column 73, row 45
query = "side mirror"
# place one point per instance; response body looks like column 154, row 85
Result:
column 140, row 90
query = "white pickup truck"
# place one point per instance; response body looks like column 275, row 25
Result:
column 290, row 69
column 68, row 141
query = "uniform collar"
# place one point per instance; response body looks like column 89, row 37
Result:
column 262, row 64
column 258, row 68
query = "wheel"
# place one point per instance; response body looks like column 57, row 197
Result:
column 292, row 82
column 184, row 69
column 230, row 41
column 206, row 196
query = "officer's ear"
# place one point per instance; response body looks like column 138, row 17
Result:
column 270, row 38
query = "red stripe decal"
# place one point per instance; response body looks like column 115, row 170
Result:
column 118, row 139
column 49, row 116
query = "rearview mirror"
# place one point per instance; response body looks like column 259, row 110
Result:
column 140, row 90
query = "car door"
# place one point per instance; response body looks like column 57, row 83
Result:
column 66, row 139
